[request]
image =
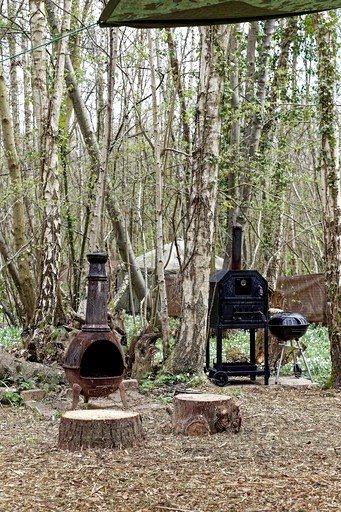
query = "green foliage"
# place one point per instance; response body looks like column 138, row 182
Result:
column 317, row 354
column 132, row 325
column 10, row 337
column 23, row 384
column 11, row 398
column 20, row 383
column 151, row 382
column 165, row 399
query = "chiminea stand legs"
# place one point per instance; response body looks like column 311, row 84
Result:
column 76, row 391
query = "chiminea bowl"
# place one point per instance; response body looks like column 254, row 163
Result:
column 288, row 326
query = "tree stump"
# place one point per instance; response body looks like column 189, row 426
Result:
column 99, row 428
column 202, row 415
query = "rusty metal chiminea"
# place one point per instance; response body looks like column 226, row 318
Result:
column 94, row 363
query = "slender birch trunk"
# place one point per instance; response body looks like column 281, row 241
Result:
column 23, row 278
column 96, row 238
column 14, row 80
column 183, row 163
column 250, row 82
column 263, row 77
column 188, row 353
column 159, row 206
column 38, row 69
column 179, row 89
column 46, row 312
column 122, row 238
column 255, row 85
column 233, row 213
column 326, row 36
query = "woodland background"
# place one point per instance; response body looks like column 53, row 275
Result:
column 102, row 148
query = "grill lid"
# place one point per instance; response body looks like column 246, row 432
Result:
column 288, row 319
column 288, row 326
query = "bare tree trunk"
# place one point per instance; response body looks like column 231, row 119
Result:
column 188, row 353
column 47, row 309
column 250, row 81
column 83, row 118
column 233, row 212
column 159, row 207
column 14, row 81
column 96, row 238
column 326, row 36
column 255, row 86
column 184, row 165
column 38, row 72
column 277, row 185
column 256, row 127
column 114, row 209
column 124, row 246
column 24, row 283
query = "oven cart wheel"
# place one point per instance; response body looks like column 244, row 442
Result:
column 220, row 379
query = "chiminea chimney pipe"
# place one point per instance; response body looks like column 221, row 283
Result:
column 96, row 318
column 237, row 235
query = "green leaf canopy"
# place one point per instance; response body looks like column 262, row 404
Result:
column 176, row 13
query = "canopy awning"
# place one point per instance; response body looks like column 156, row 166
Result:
column 177, row 13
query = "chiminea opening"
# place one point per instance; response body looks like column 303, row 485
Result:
column 101, row 359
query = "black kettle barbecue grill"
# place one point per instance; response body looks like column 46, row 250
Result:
column 288, row 328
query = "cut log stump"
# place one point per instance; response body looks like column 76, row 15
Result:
column 99, row 428
column 204, row 414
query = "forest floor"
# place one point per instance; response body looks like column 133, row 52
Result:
column 287, row 457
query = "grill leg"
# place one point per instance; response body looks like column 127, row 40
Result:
column 280, row 363
column 294, row 358
column 304, row 359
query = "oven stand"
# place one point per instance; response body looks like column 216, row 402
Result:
column 222, row 371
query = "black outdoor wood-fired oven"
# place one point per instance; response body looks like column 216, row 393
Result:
column 94, row 363
column 238, row 300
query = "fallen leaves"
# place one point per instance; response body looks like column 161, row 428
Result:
column 285, row 459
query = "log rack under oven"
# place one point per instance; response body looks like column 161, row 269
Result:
column 221, row 371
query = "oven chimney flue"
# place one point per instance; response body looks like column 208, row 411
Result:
column 96, row 317
column 237, row 234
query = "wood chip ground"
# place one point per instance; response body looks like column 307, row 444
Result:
column 286, row 458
